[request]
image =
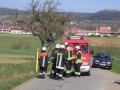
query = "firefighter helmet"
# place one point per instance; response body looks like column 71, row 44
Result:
column 77, row 47
column 66, row 43
column 57, row 46
column 43, row 48
column 62, row 46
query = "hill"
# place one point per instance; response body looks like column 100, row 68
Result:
column 81, row 16
column 8, row 11
column 107, row 14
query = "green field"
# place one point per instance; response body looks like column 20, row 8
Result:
column 18, row 44
column 17, row 58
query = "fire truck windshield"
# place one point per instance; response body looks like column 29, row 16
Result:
column 84, row 47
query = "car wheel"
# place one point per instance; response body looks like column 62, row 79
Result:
column 93, row 66
column 110, row 68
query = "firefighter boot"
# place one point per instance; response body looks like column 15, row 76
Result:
column 67, row 75
column 70, row 74
column 57, row 77
column 39, row 76
column 43, row 75
column 52, row 75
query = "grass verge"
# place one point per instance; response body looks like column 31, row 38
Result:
column 116, row 65
column 114, row 52
column 14, row 73
column 17, row 65
column 15, row 70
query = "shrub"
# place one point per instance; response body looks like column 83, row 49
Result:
column 114, row 51
column 17, row 45
column 27, row 45
column 20, row 44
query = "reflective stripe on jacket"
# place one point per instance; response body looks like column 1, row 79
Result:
column 59, row 61
column 78, row 57
column 69, row 53
column 60, row 58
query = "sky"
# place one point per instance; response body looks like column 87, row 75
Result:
column 86, row 6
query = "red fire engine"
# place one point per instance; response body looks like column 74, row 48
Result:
column 84, row 44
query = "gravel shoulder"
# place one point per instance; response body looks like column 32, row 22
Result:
column 112, row 80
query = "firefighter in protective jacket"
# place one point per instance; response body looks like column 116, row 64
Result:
column 69, row 52
column 53, row 55
column 78, row 61
column 60, row 60
column 43, row 63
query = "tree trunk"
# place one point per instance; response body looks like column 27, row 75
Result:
column 41, row 43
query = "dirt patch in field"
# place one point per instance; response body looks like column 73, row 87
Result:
column 16, row 59
column 110, row 42
column 12, row 61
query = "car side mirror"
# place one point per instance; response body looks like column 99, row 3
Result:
column 92, row 52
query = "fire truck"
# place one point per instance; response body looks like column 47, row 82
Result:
column 85, row 48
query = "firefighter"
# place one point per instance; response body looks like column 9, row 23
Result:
column 43, row 63
column 68, row 63
column 78, row 61
column 53, row 55
column 60, row 58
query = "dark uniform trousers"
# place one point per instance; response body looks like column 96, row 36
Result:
column 68, row 62
column 53, row 69
column 59, row 73
column 42, row 71
column 77, row 69
column 78, row 63
column 68, row 67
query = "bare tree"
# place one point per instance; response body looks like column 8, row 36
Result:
column 44, row 20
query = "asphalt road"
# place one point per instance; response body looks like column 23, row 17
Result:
column 93, row 82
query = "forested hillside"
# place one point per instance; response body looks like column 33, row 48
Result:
column 8, row 11
column 107, row 14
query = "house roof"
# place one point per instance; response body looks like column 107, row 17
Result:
column 104, row 28
column 118, row 29
column 75, row 29
column 15, row 28
column 4, row 27
column 11, row 27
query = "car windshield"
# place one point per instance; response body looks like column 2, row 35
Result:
column 84, row 47
column 103, row 56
